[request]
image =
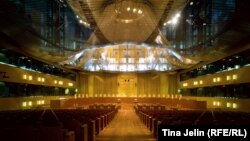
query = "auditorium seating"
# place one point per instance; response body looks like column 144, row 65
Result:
column 174, row 103
column 106, row 106
column 54, row 125
column 153, row 118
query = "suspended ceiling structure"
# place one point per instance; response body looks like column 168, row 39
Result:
column 130, row 35
column 127, row 36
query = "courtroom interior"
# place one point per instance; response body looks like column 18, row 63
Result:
column 114, row 70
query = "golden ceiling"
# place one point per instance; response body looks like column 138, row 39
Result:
column 121, row 29
column 118, row 21
column 128, row 35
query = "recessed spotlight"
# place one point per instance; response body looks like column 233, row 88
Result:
column 134, row 10
column 139, row 11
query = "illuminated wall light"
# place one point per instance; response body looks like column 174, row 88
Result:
column 218, row 79
column 30, row 77
column 42, row 101
column 55, row 81
column 185, row 84
column 214, row 103
column 30, row 103
column 228, row 105
column 43, row 79
column 39, row 79
column 235, row 77
column 234, row 105
column 60, row 82
column 24, row 104
column 228, row 77
column 70, row 84
column 218, row 103
column 38, row 102
column 201, row 82
column 214, row 80
column 25, row 76
column 195, row 82
column 76, row 90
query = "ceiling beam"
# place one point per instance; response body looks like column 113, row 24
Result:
column 154, row 34
column 90, row 18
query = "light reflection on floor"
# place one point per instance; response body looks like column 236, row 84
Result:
column 126, row 126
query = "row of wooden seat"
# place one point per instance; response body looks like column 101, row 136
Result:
column 104, row 106
column 150, row 107
column 54, row 125
column 153, row 118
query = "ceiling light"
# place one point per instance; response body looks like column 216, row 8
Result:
column 134, row 10
column 177, row 15
column 139, row 11
column 107, row 60
column 174, row 21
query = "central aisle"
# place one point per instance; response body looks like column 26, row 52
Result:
column 126, row 126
